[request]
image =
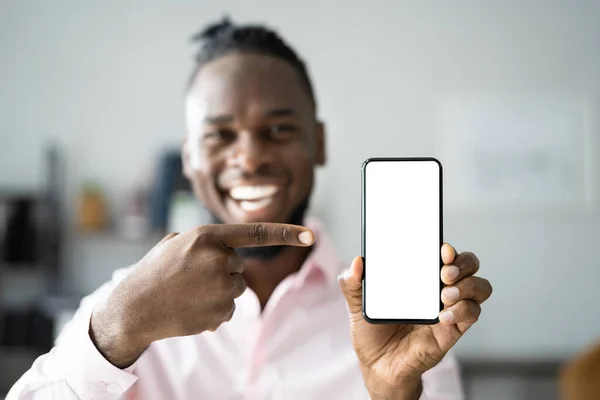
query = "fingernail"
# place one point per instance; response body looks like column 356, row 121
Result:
column 306, row 237
column 452, row 272
column 451, row 294
column 446, row 316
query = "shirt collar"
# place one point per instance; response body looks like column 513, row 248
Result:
column 323, row 261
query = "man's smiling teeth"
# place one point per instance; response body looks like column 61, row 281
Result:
column 253, row 205
column 252, row 198
column 252, row 192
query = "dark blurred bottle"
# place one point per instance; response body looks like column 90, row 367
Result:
column 20, row 239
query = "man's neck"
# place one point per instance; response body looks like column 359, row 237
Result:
column 263, row 276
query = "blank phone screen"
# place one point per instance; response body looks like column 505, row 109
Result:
column 401, row 239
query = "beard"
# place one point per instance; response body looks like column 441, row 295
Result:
column 266, row 253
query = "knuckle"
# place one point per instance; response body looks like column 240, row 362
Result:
column 488, row 286
column 220, row 259
column 224, row 285
column 213, row 326
column 485, row 290
column 286, row 235
column 168, row 236
column 240, row 286
column 238, row 265
column 227, row 308
column 234, row 259
column 202, row 235
column 473, row 258
column 258, row 233
column 229, row 315
column 475, row 311
column 209, row 262
column 470, row 286
column 463, row 308
column 186, row 326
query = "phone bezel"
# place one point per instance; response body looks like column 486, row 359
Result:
column 363, row 238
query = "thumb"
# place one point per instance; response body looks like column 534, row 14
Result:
column 351, row 284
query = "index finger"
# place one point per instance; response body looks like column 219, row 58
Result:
column 264, row 234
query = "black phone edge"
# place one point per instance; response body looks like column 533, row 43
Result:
column 363, row 169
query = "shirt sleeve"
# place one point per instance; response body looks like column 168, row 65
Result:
column 74, row 368
column 443, row 382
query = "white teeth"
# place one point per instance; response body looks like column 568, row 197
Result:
column 252, row 192
column 250, row 206
column 253, row 198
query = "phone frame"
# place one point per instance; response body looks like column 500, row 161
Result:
column 363, row 238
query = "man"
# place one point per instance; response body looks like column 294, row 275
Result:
column 169, row 327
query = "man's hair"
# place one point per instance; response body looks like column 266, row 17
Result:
column 225, row 37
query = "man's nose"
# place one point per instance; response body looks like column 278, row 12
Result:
column 249, row 153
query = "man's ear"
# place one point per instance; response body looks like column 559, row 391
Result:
column 185, row 158
column 321, row 144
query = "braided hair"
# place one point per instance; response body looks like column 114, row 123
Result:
column 224, row 37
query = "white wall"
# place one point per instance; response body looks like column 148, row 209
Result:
column 106, row 79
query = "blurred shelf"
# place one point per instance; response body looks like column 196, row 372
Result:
column 22, row 271
column 52, row 306
column 14, row 361
column 16, row 351
column 15, row 192
column 511, row 367
column 20, row 288
column 111, row 236
column 20, row 266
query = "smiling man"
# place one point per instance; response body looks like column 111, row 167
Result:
column 180, row 324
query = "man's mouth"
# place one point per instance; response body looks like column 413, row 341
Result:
column 253, row 198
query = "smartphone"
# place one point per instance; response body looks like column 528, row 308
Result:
column 401, row 240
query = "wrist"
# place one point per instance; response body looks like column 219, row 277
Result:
column 119, row 344
column 405, row 388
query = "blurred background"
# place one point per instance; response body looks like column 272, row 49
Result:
column 505, row 94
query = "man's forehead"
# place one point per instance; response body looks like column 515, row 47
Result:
column 238, row 66
column 238, row 80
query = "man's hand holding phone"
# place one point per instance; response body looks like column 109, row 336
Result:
column 184, row 286
column 393, row 357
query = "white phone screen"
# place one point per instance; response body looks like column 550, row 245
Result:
column 402, row 235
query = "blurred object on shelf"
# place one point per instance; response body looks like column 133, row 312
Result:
column 27, row 328
column 168, row 180
column 20, row 240
column 92, row 209
column 134, row 224
column 31, row 239
column 51, row 215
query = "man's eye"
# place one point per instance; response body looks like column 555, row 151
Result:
column 280, row 132
column 220, row 134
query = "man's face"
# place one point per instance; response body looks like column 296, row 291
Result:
column 253, row 140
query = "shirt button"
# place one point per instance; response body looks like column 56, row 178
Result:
column 113, row 388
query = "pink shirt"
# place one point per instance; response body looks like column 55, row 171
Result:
column 298, row 348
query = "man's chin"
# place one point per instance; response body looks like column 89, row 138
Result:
column 260, row 253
